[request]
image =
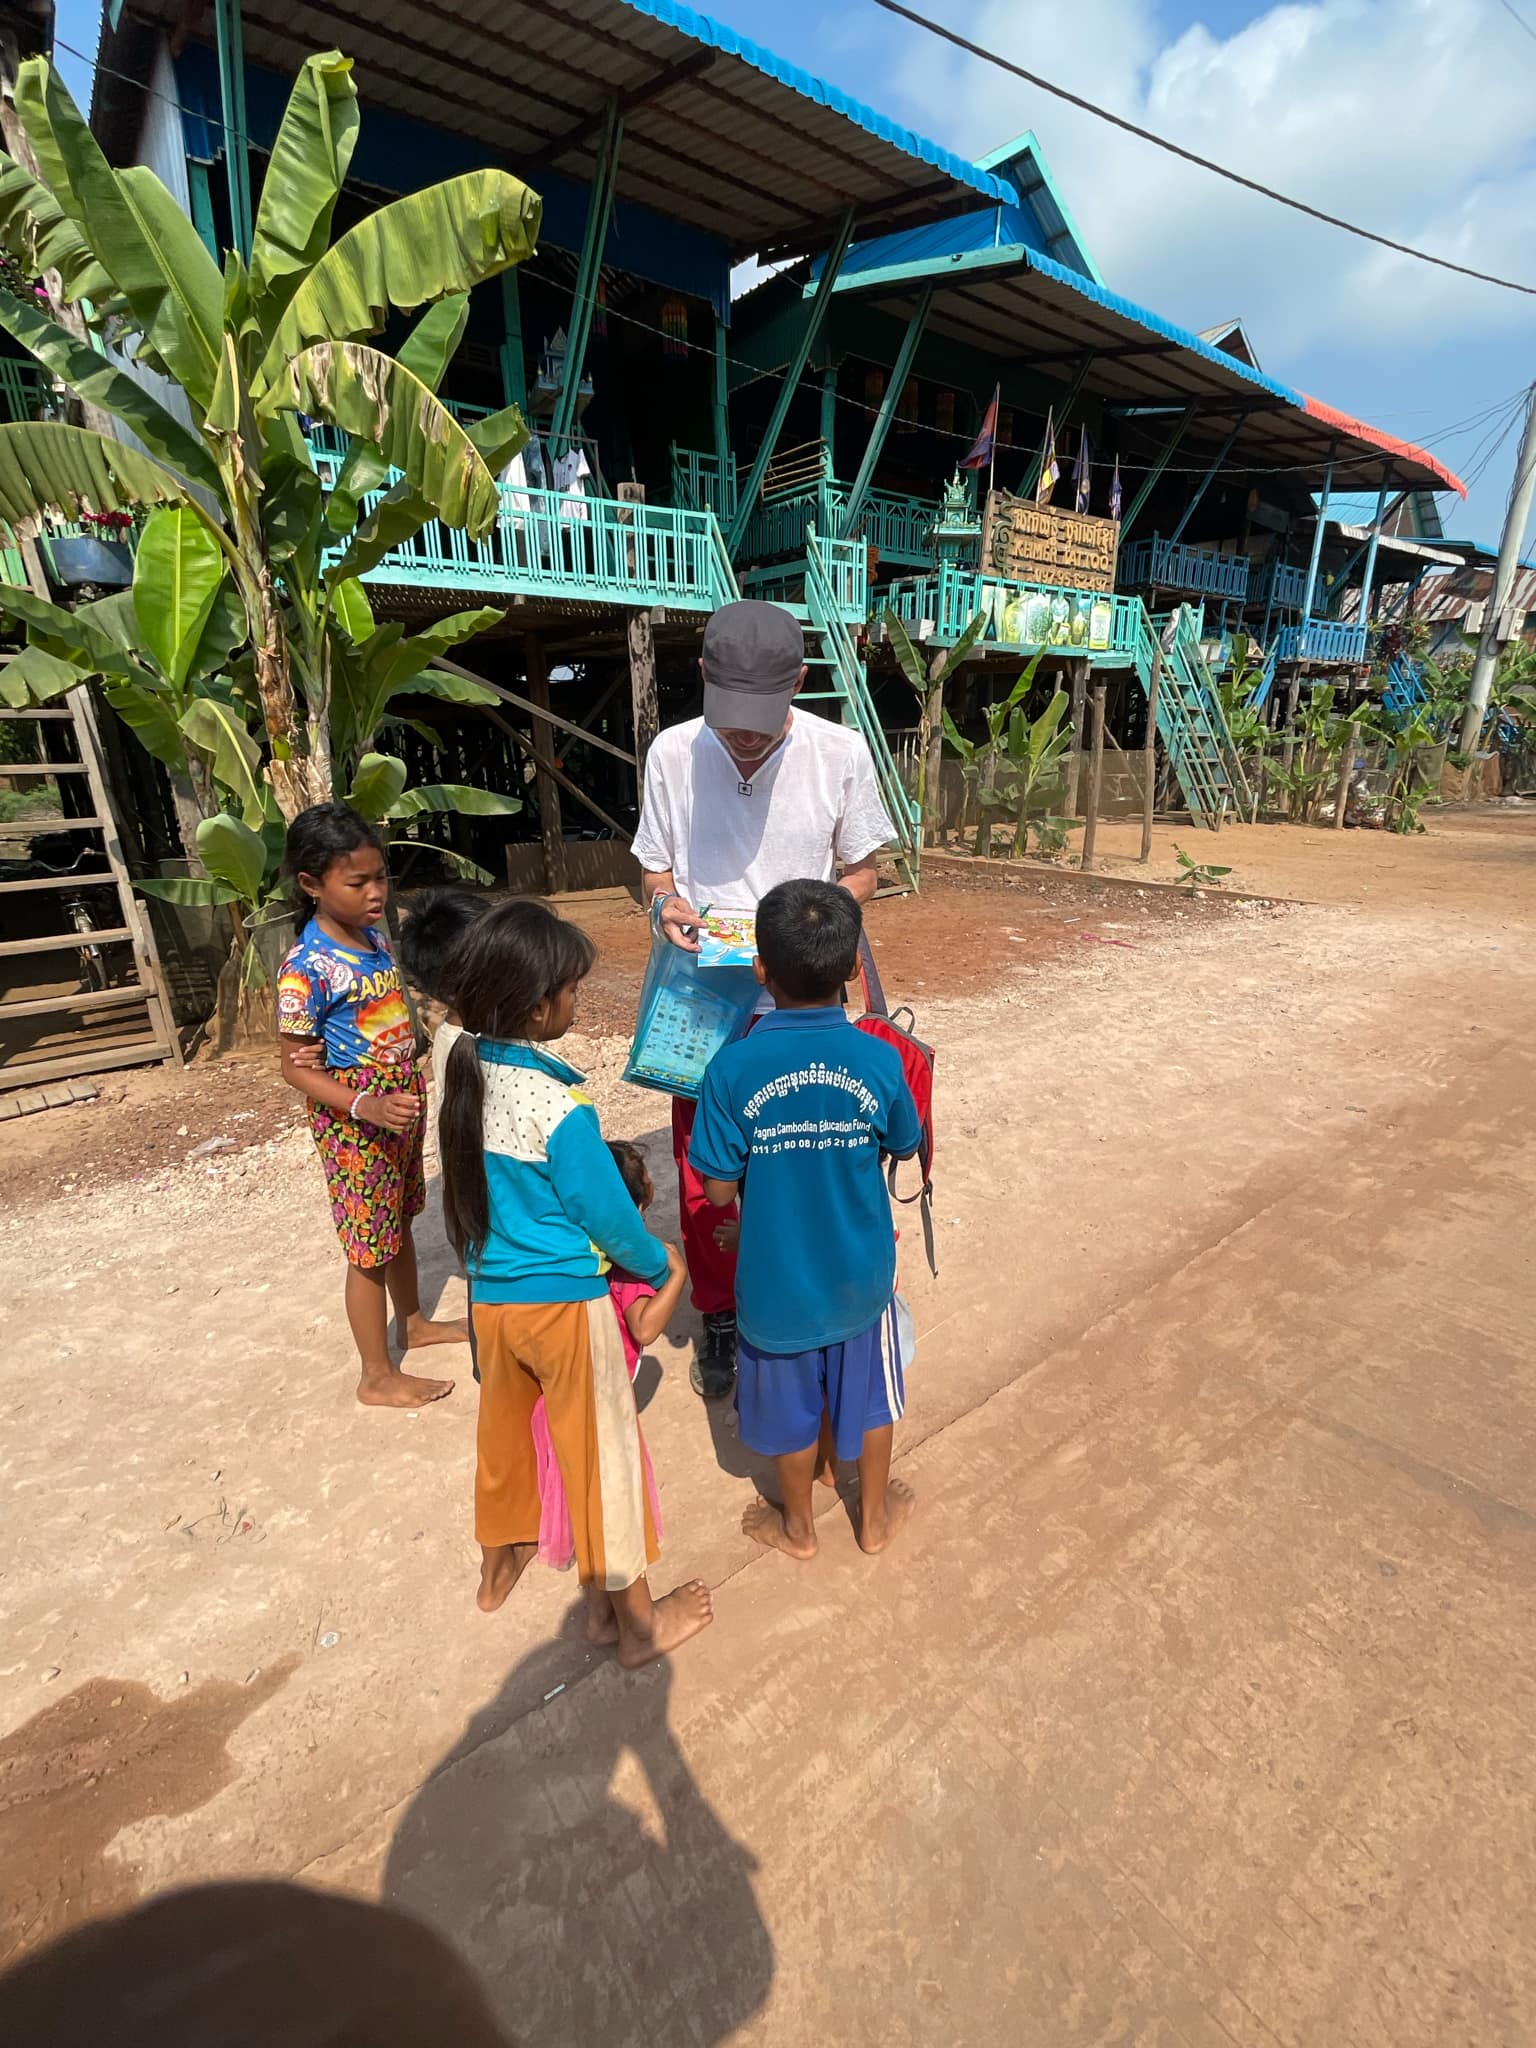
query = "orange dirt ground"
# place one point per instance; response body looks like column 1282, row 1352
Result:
column 1194, row 1705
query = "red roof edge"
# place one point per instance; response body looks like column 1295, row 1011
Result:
column 1361, row 432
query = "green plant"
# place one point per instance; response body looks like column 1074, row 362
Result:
column 1031, row 763
column 928, row 688
column 261, row 546
column 1050, row 835
column 979, row 759
column 1200, row 874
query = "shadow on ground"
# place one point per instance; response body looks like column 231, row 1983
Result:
column 574, row 1860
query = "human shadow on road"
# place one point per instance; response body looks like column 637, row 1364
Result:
column 573, row 1859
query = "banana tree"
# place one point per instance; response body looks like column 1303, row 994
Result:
column 927, row 686
column 249, row 349
column 979, row 759
column 1031, row 764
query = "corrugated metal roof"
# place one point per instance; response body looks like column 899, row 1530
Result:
column 718, row 132
column 1030, row 311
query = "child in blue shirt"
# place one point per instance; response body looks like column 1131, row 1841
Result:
column 538, row 1210
column 796, row 1116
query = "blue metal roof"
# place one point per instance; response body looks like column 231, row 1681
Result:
column 717, row 36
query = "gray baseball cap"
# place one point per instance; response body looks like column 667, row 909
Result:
column 752, row 657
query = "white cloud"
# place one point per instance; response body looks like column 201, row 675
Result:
column 1413, row 117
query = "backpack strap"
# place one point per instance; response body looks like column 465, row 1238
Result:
column 875, row 1004
column 924, row 1197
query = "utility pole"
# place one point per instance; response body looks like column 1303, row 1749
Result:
column 1516, row 518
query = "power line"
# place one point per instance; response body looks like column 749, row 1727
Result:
column 1518, row 18
column 1203, row 163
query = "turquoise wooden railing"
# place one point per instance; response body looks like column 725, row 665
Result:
column 845, row 564
column 1322, row 640
column 1020, row 615
column 593, row 550
column 1174, row 565
column 699, row 484
column 1280, row 585
column 898, row 528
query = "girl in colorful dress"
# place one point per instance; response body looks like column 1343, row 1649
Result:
column 538, row 1211
column 339, row 998
column 642, row 1313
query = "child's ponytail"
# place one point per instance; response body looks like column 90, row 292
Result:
column 506, row 964
column 461, row 1148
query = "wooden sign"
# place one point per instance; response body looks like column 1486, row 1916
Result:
column 1030, row 543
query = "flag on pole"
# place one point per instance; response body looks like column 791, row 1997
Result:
column 1048, row 470
column 1081, row 473
column 981, row 449
column 1114, row 492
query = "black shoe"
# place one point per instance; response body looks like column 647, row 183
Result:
column 713, row 1372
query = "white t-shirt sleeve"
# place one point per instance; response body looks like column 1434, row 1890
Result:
column 863, row 823
column 654, row 842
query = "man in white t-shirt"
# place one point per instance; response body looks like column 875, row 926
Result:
column 752, row 794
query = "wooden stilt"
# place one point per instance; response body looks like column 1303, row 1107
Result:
column 1079, row 697
column 547, row 789
column 642, row 689
column 1095, row 772
column 1149, row 754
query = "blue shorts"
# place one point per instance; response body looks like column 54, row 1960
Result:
column 780, row 1395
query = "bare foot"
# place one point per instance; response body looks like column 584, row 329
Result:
column 680, row 1614
column 502, row 1565
column 877, row 1530
column 419, row 1331
column 396, row 1389
column 765, row 1524
column 601, row 1626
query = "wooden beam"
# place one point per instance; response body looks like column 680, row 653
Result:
column 1181, row 427
column 1095, row 773
column 1200, row 488
column 546, row 787
column 642, row 690
column 816, row 316
column 539, row 711
column 589, row 272
column 692, row 66
column 881, row 425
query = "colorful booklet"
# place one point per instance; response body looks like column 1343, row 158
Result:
column 727, row 938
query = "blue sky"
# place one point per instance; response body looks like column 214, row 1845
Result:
column 1415, row 117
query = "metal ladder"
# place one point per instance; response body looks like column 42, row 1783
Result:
column 119, row 1025
column 1190, row 722
column 848, row 688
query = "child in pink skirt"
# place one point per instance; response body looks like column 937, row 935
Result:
column 643, row 1313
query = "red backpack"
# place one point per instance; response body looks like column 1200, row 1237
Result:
column 917, row 1067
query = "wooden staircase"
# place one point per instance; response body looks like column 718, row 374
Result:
column 77, row 996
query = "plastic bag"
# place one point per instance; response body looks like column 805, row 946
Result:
column 687, row 1013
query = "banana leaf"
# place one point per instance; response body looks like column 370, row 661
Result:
column 191, row 891
column 177, row 573
column 148, row 246
column 374, row 397
column 454, row 796
column 304, row 176
column 97, row 378
column 150, row 716
column 47, row 467
column 445, row 239
column 377, row 785
column 40, row 235
column 232, row 852
column 34, row 676
column 218, row 731
column 401, row 512
column 426, row 353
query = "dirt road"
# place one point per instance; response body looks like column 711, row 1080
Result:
column 1196, row 1705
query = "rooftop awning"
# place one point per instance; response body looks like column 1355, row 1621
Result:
column 1032, row 312
column 718, row 132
